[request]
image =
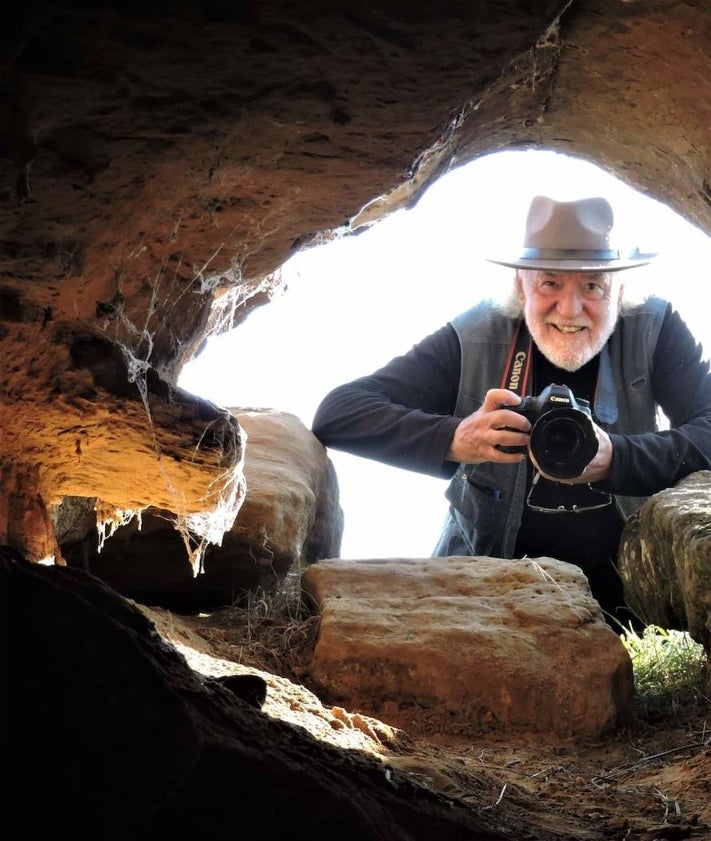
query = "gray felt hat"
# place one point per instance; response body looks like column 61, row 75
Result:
column 571, row 236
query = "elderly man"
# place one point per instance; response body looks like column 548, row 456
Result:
column 544, row 411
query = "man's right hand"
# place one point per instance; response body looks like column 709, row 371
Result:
column 479, row 435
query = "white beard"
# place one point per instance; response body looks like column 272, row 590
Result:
column 571, row 351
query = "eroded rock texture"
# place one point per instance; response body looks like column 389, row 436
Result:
column 159, row 162
column 290, row 518
column 480, row 644
column 664, row 558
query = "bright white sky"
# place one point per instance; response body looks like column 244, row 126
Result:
column 353, row 304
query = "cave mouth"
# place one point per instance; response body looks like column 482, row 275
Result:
column 351, row 304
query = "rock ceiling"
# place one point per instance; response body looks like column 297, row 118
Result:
column 161, row 161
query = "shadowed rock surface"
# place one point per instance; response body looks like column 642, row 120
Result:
column 158, row 165
column 144, row 745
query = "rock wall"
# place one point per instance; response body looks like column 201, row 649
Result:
column 160, row 162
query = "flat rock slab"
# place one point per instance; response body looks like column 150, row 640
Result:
column 468, row 645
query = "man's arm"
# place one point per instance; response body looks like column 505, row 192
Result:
column 681, row 385
column 402, row 413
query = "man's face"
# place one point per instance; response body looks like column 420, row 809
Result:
column 570, row 315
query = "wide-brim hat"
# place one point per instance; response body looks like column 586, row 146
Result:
column 572, row 236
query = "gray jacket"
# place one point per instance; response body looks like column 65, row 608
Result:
column 486, row 500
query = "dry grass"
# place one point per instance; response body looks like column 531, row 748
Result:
column 275, row 630
column 650, row 780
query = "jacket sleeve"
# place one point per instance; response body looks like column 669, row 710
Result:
column 681, row 385
column 401, row 414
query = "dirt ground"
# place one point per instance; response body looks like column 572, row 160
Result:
column 651, row 781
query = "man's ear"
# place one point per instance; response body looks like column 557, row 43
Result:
column 518, row 286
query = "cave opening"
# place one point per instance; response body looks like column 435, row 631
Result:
column 350, row 305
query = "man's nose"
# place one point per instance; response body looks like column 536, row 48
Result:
column 570, row 301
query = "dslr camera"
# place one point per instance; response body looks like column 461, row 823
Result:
column 563, row 439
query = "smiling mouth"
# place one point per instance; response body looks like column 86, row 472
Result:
column 568, row 329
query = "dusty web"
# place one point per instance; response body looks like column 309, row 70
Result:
column 136, row 342
column 109, row 519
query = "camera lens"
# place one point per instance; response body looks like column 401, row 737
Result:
column 563, row 442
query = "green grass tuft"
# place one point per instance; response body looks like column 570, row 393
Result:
column 669, row 670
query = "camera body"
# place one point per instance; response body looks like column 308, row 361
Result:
column 563, row 439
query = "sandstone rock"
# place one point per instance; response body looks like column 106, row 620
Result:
column 137, row 744
column 158, row 167
column 290, row 517
column 292, row 508
column 152, row 189
column 485, row 644
column 665, row 558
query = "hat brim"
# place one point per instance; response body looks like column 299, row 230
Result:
column 575, row 265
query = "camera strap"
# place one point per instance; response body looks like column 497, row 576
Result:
column 546, row 496
column 518, row 361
